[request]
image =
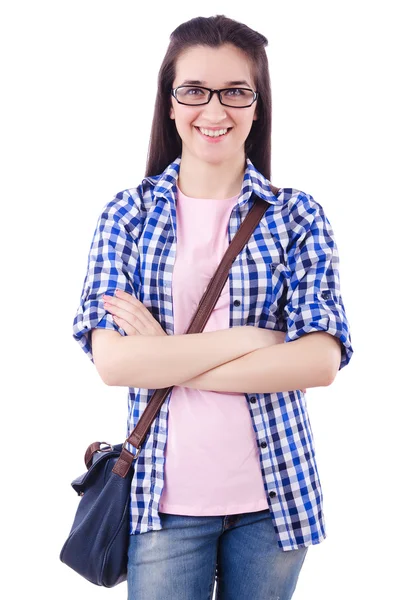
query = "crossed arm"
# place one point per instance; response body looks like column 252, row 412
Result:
column 311, row 361
column 239, row 359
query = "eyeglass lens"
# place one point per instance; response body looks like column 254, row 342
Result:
column 231, row 96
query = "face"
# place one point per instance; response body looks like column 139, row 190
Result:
column 214, row 68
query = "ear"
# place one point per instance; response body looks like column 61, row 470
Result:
column 172, row 114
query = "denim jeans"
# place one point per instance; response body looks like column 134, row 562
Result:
column 232, row 557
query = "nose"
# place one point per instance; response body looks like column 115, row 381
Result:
column 214, row 107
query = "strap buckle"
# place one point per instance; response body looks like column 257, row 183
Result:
column 137, row 452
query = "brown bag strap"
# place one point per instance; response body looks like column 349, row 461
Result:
column 197, row 325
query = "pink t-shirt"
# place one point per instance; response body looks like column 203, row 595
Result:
column 212, row 457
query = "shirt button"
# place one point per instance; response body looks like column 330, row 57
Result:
column 326, row 295
column 272, row 494
column 263, row 445
column 252, row 399
column 237, row 303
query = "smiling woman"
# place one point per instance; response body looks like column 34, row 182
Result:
column 229, row 463
column 199, row 110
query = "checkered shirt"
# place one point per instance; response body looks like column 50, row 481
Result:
column 286, row 278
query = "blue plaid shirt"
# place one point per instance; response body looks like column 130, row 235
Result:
column 285, row 278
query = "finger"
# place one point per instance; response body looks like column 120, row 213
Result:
column 125, row 296
column 128, row 316
column 128, row 328
column 130, row 304
column 120, row 307
column 130, row 298
column 144, row 313
column 146, row 323
column 143, row 320
column 122, row 303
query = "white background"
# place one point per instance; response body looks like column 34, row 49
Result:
column 79, row 81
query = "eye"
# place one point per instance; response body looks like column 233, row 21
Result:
column 239, row 91
column 194, row 91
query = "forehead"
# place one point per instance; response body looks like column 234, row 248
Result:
column 214, row 66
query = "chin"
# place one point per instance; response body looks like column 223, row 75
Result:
column 212, row 158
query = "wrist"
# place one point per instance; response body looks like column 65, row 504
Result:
column 249, row 338
column 264, row 338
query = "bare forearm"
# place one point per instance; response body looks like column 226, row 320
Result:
column 311, row 361
column 160, row 361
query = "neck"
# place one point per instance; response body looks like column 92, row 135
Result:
column 200, row 179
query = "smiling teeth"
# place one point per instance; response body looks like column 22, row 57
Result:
column 212, row 133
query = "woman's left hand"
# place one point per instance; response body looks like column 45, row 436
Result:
column 131, row 315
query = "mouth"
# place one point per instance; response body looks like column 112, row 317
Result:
column 213, row 138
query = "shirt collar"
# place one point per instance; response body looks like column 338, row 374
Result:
column 253, row 182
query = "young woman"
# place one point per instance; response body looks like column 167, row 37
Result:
column 226, row 486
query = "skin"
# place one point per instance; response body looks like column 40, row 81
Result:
column 210, row 170
column 136, row 320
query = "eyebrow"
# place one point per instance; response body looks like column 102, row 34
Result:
column 227, row 83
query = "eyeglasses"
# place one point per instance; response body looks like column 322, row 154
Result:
column 194, row 95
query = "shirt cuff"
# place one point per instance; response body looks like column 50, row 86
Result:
column 320, row 317
column 88, row 317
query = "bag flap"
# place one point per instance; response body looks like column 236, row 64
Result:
column 99, row 460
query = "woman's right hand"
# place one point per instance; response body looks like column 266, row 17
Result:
column 131, row 314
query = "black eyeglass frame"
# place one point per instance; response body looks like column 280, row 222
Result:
column 212, row 92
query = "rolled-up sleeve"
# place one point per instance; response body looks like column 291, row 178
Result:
column 314, row 301
column 112, row 264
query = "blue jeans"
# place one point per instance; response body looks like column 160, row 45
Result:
column 235, row 556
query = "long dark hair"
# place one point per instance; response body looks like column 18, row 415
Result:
column 165, row 143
